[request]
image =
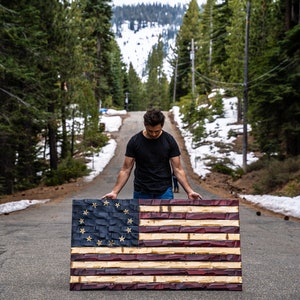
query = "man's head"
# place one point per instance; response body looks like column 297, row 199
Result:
column 154, row 117
column 154, row 121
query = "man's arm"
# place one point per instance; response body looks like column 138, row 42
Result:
column 122, row 178
column 181, row 177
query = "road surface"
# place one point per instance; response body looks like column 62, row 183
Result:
column 35, row 247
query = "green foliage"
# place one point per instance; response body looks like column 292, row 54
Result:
column 195, row 115
column 187, row 108
column 117, row 76
column 233, row 67
column 222, row 15
column 69, row 169
column 137, row 99
column 221, row 167
column 232, row 133
column 292, row 189
column 157, row 87
column 277, row 173
column 217, row 107
column 55, row 64
column 258, row 165
column 190, row 113
column 199, row 132
column 190, row 29
column 273, row 65
column 274, row 107
column 96, row 17
column 95, row 141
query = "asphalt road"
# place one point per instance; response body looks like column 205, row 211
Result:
column 35, row 247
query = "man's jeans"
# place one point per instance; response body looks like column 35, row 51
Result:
column 168, row 194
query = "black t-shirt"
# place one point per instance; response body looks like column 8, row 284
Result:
column 152, row 162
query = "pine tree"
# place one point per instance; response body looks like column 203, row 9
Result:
column 97, row 15
column 189, row 30
column 97, row 45
column 157, row 85
column 234, row 47
column 205, row 43
column 136, row 95
column 117, row 75
column 275, row 95
column 29, row 78
column 221, row 16
column 45, row 80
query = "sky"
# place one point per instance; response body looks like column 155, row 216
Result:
column 218, row 133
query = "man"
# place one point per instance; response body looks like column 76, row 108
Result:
column 152, row 150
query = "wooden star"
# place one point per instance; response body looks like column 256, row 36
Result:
column 89, row 238
column 106, row 203
column 82, row 230
column 81, row 221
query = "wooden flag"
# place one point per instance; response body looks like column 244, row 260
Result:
column 155, row 244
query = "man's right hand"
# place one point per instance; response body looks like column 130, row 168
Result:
column 110, row 195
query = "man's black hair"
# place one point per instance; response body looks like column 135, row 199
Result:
column 154, row 117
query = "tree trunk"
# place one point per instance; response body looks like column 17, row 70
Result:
column 97, row 72
column 7, row 163
column 64, row 143
column 52, row 128
column 288, row 15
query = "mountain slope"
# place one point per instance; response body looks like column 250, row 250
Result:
column 137, row 28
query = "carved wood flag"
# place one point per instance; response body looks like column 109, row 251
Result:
column 155, row 244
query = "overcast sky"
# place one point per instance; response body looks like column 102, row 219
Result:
column 129, row 2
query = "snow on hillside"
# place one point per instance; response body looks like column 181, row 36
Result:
column 170, row 2
column 218, row 134
column 136, row 46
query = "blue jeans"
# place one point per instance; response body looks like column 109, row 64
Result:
column 168, row 194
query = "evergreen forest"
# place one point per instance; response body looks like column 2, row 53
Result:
column 59, row 61
column 141, row 15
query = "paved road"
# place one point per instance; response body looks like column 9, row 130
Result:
column 35, row 248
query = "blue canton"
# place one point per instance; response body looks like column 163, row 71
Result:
column 105, row 223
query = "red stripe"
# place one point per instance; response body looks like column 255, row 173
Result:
column 188, row 243
column 186, row 202
column 141, row 271
column 155, row 257
column 156, row 286
column 192, row 229
column 190, row 216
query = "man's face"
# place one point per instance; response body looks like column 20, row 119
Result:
column 153, row 132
